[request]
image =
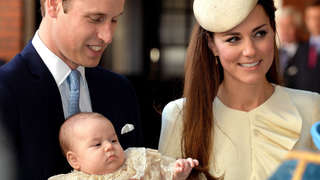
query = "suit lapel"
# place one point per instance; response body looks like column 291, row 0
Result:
column 98, row 92
column 46, row 83
column 94, row 92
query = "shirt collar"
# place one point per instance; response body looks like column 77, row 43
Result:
column 315, row 40
column 291, row 48
column 59, row 69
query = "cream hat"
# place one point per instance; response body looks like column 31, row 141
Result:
column 222, row 15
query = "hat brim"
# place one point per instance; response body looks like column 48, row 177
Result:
column 222, row 15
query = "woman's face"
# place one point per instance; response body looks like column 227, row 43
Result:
column 246, row 52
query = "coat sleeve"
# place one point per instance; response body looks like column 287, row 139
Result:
column 171, row 129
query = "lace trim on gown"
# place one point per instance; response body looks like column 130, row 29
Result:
column 140, row 162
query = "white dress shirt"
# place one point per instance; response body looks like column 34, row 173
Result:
column 60, row 71
column 291, row 48
column 315, row 41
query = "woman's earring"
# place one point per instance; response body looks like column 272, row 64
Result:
column 216, row 58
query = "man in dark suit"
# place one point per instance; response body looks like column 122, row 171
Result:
column 303, row 71
column 289, row 22
column 34, row 86
column 1, row 62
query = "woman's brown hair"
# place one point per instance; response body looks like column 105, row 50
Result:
column 202, row 79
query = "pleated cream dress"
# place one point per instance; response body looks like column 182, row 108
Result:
column 250, row 145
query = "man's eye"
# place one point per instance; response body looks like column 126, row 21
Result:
column 95, row 19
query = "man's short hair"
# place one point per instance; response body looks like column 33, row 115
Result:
column 65, row 4
column 313, row 3
column 292, row 12
column 68, row 126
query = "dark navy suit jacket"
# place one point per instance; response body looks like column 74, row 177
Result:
column 297, row 74
column 31, row 109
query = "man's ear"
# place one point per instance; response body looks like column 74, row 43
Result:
column 53, row 7
column 73, row 160
column 211, row 45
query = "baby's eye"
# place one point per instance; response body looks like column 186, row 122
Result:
column 114, row 141
column 97, row 144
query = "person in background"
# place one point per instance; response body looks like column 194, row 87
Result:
column 56, row 75
column 303, row 71
column 235, row 117
column 92, row 148
column 289, row 23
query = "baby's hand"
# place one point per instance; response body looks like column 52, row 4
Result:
column 183, row 168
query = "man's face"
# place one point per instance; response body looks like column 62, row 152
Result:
column 312, row 20
column 82, row 33
column 287, row 29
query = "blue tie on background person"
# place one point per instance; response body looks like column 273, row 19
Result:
column 74, row 85
column 284, row 59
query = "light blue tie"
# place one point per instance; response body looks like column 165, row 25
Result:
column 74, row 85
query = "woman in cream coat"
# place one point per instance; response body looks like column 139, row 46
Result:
column 234, row 116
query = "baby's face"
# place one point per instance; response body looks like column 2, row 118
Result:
column 97, row 147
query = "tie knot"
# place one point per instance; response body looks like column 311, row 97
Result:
column 284, row 52
column 74, row 79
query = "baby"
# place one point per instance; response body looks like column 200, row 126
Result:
column 91, row 146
